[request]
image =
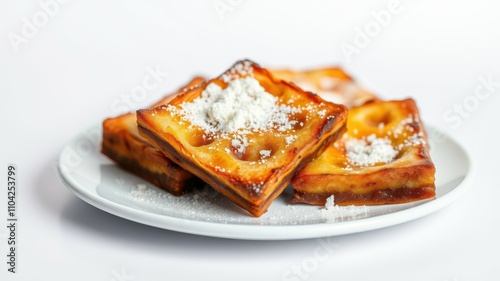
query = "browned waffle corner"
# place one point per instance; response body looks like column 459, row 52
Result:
column 330, row 83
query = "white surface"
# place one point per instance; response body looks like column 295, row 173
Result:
column 99, row 182
column 76, row 70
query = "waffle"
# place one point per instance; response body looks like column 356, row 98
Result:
column 382, row 159
column 331, row 84
column 123, row 144
column 248, row 161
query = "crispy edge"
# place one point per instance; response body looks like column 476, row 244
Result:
column 385, row 186
column 136, row 155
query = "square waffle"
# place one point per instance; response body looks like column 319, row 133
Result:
column 382, row 159
column 122, row 143
column 331, row 84
column 245, row 133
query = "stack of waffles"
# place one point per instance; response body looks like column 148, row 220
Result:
column 251, row 132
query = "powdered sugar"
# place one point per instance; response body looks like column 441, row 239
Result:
column 343, row 211
column 206, row 204
column 243, row 106
column 265, row 153
column 240, row 69
column 413, row 140
column 330, row 202
column 239, row 143
column 405, row 125
column 290, row 139
column 370, row 151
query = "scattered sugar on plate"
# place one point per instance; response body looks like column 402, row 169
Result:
column 335, row 211
column 206, row 204
column 330, row 202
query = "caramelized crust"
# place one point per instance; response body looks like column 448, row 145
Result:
column 408, row 177
column 331, row 84
column 123, row 144
column 246, row 178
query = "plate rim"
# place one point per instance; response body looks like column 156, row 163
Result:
column 271, row 232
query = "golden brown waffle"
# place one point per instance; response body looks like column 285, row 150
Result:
column 382, row 159
column 331, row 84
column 123, row 144
column 252, row 165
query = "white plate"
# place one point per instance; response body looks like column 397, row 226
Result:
column 96, row 180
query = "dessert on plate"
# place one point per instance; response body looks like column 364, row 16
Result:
column 251, row 132
column 245, row 133
column 383, row 158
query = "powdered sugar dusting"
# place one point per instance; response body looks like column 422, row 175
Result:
column 243, row 106
column 290, row 139
column 330, row 202
column 343, row 211
column 206, row 204
column 370, row 151
column 265, row 153
column 413, row 140
column 239, row 69
column 239, row 143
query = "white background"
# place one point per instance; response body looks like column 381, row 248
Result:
column 75, row 67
